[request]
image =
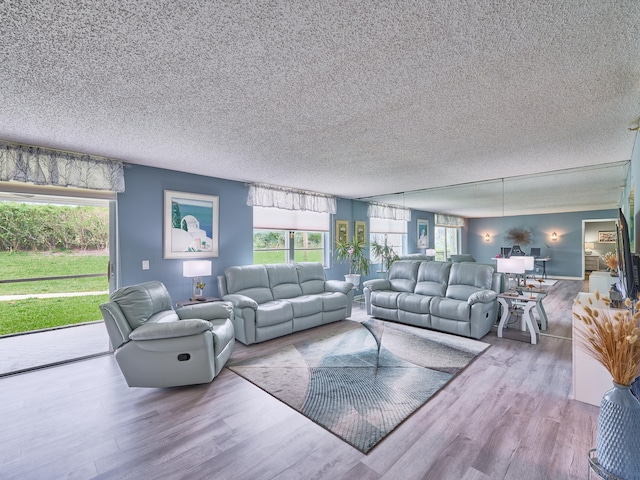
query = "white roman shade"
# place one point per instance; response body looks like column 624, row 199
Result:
column 384, row 225
column 44, row 166
column 278, row 219
column 261, row 195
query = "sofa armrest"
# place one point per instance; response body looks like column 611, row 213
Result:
column 483, row 296
column 241, row 301
column 183, row 328
column 337, row 286
column 206, row 311
column 377, row 284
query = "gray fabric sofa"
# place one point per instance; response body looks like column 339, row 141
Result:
column 270, row 301
column 459, row 298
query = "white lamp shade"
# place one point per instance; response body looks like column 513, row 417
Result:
column 511, row 265
column 430, row 252
column 196, row 268
column 529, row 262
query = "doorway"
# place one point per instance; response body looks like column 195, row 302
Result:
column 598, row 240
column 49, row 297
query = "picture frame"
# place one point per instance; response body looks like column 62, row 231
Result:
column 607, row 237
column 422, row 233
column 191, row 225
column 342, row 231
column 360, row 233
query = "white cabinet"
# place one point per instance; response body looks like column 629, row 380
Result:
column 590, row 379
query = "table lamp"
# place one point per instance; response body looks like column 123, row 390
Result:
column 511, row 266
column 430, row 252
column 196, row 269
column 588, row 247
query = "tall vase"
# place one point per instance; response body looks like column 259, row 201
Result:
column 618, row 435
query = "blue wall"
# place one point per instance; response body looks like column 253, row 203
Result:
column 566, row 252
column 140, row 221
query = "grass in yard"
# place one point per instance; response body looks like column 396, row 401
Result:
column 14, row 265
column 38, row 313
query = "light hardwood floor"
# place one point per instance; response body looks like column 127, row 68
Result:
column 509, row 415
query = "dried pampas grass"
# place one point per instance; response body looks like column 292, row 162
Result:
column 613, row 339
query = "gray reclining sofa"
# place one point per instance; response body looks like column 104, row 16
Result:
column 459, row 298
column 270, row 301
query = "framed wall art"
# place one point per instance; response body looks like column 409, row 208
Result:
column 607, row 237
column 423, row 233
column 342, row 231
column 360, row 235
column 190, row 225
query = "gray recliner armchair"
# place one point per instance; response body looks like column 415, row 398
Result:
column 157, row 346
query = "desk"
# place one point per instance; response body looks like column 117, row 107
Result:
column 542, row 261
column 527, row 302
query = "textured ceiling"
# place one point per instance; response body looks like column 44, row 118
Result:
column 351, row 98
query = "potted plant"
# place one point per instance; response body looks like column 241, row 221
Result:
column 612, row 338
column 384, row 253
column 354, row 253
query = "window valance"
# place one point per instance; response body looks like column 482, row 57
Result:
column 261, row 195
column 448, row 220
column 43, row 166
column 391, row 212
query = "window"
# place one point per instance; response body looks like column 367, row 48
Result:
column 282, row 246
column 447, row 242
column 287, row 236
column 393, row 232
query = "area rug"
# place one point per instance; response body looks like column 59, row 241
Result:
column 362, row 381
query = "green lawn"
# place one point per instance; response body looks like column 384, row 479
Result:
column 38, row 313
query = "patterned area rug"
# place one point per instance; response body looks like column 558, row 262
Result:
column 362, row 382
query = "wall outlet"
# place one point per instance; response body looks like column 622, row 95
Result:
column 145, row 264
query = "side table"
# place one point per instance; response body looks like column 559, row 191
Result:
column 184, row 303
column 527, row 302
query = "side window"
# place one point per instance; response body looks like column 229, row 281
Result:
column 447, row 242
column 285, row 246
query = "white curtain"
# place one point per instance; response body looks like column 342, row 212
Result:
column 43, row 166
column 390, row 212
column 261, row 195
column 448, row 220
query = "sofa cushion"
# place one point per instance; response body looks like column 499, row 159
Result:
column 283, row 281
column 403, row 275
column 412, row 302
column 432, row 278
column 273, row 313
column 450, row 308
column 311, row 277
column 249, row 280
column 467, row 278
column 305, row 305
column 385, row 298
column 333, row 301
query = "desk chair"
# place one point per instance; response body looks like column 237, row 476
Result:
column 535, row 252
